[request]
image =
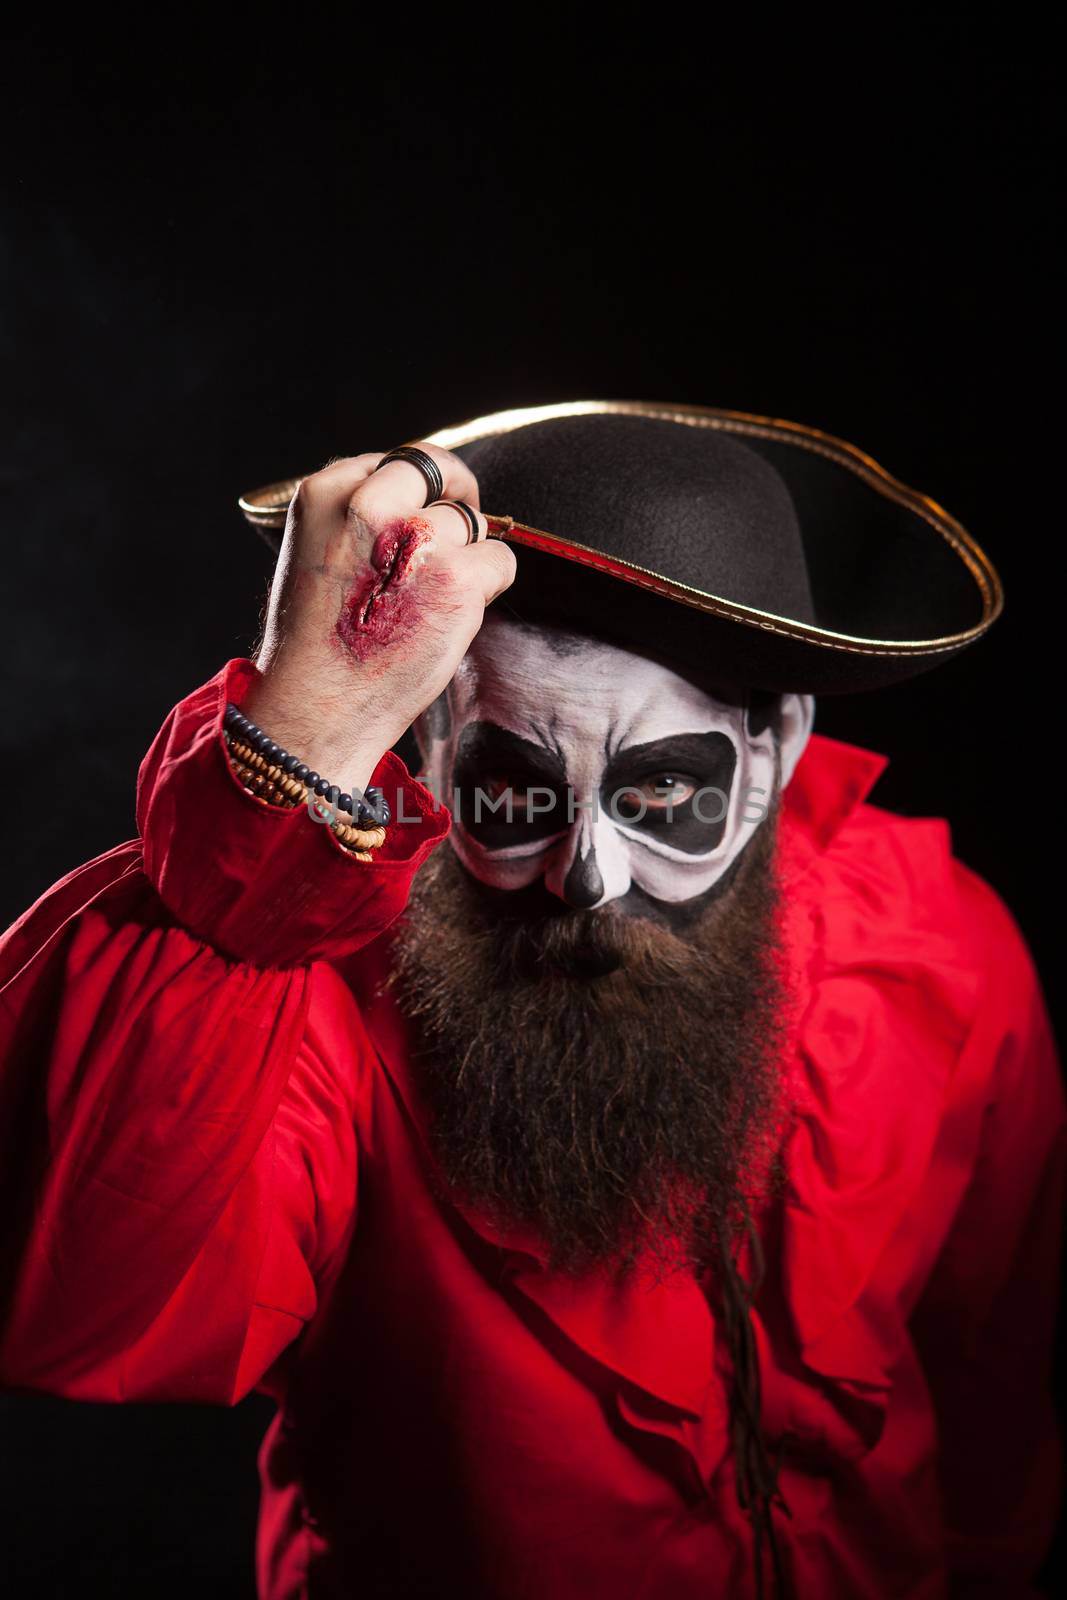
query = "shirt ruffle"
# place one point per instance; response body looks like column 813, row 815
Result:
column 883, row 999
column 887, row 995
column 261, row 884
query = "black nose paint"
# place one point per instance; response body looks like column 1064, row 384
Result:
column 583, row 886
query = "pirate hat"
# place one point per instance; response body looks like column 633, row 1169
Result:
column 735, row 546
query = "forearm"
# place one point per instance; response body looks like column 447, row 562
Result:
column 154, row 1028
column 155, row 1007
column 141, row 1075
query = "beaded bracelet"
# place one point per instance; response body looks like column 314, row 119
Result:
column 283, row 779
column 277, row 788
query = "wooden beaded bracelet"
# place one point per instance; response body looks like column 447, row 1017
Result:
column 274, row 786
column 369, row 810
column 267, row 786
column 270, row 773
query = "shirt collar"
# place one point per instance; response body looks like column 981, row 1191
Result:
column 831, row 781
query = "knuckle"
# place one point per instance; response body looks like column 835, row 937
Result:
column 356, row 505
column 308, row 494
column 450, row 461
column 505, row 558
column 444, row 457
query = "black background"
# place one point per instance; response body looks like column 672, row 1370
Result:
column 226, row 261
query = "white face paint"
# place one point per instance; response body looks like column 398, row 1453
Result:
column 597, row 770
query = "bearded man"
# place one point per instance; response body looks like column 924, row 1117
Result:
column 653, row 1193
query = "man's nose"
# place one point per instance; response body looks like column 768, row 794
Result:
column 583, row 885
column 589, row 865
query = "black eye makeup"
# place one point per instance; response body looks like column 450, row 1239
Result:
column 676, row 790
column 507, row 790
column 659, row 792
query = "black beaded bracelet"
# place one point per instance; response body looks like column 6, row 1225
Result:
column 371, row 809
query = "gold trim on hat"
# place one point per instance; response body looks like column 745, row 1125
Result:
column 267, row 508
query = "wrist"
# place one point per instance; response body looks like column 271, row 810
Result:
column 346, row 759
column 258, row 883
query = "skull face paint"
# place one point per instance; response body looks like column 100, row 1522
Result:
column 599, row 772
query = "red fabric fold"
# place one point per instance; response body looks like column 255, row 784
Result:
column 217, row 1174
column 157, row 1022
column 259, row 883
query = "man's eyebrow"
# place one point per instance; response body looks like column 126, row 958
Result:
column 550, row 739
column 700, row 750
column 489, row 741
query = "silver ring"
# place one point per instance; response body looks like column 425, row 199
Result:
column 431, row 472
column 474, row 531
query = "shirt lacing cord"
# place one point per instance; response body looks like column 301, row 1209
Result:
column 757, row 1472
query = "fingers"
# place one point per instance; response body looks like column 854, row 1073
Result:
column 487, row 565
column 340, row 477
column 441, row 531
column 453, row 526
column 321, row 502
column 488, row 562
column 356, row 487
column 399, row 488
column 492, row 565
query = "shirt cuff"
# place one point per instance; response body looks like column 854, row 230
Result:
column 261, row 884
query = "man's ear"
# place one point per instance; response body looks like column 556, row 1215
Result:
column 798, row 714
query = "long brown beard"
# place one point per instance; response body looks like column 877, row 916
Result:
column 595, row 1076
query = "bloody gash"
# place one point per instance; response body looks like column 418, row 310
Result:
column 381, row 606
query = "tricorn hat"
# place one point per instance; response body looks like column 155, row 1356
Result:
column 739, row 547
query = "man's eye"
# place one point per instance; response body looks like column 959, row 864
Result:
column 668, row 788
column 658, row 792
column 500, row 784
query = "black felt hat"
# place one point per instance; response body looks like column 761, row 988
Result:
column 739, row 547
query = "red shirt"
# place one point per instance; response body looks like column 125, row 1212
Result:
column 219, row 1179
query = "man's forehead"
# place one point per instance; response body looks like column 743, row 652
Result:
column 520, row 676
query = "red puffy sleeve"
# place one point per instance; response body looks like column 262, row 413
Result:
column 182, row 1070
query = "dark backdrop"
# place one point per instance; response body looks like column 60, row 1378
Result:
column 226, row 261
